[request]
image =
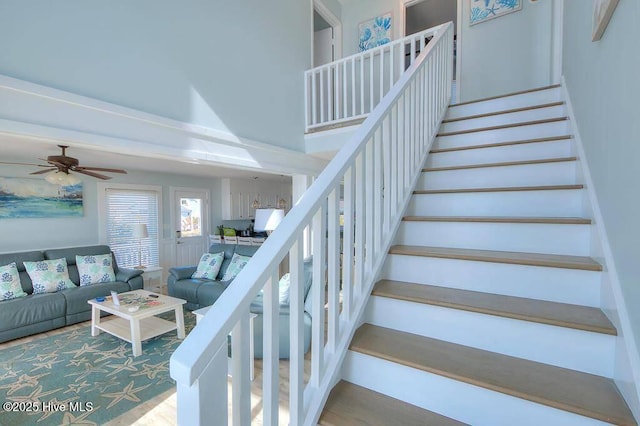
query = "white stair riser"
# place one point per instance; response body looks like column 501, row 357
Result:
column 522, row 152
column 545, row 130
column 546, row 203
column 506, row 103
column 524, row 237
column 554, row 284
column 589, row 352
column 562, row 173
column 497, row 120
column 458, row 400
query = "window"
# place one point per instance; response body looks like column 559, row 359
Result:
column 190, row 217
column 123, row 208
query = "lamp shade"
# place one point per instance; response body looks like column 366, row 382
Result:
column 61, row 178
column 140, row 230
column 268, row 219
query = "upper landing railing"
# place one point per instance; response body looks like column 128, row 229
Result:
column 369, row 183
column 350, row 88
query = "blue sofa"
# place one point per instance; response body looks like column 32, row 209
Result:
column 199, row 292
column 37, row 313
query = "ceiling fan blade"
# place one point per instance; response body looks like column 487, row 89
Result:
column 100, row 169
column 96, row 175
column 23, row 164
column 57, row 164
column 39, row 172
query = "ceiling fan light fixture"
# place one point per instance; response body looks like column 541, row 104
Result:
column 61, row 178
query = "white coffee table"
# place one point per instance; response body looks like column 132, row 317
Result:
column 133, row 325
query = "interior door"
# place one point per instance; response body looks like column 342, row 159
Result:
column 190, row 213
column 322, row 47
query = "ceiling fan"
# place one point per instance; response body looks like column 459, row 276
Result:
column 65, row 164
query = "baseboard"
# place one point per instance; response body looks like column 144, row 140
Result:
column 627, row 368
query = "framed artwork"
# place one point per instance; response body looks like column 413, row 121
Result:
column 602, row 12
column 37, row 198
column 484, row 10
column 374, row 32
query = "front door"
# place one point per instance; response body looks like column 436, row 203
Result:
column 190, row 213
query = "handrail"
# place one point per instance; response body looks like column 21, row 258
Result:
column 374, row 173
column 351, row 87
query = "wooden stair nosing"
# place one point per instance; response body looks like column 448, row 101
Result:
column 498, row 219
column 500, row 144
column 351, row 405
column 502, row 164
column 498, row 189
column 507, row 257
column 503, row 126
column 506, row 95
column 580, row 393
column 577, row 317
column 506, row 111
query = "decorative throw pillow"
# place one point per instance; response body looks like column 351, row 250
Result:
column 237, row 263
column 49, row 276
column 95, row 269
column 284, row 286
column 10, row 287
column 209, row 266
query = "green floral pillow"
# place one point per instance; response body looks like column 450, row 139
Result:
column 10, row 287
column 95, row 269
column 209, row 266
column 49, row 276
column 237, row 263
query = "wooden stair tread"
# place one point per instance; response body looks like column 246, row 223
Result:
column 503, row 126
column 581, row 393
column 506, row 95
column 506, row 111
column 509, row 257
column 499, row 144
column 498, row 189
column 502, row 164
column 350, row 404
column 332, row 126
column 505, row 219
column 541, row 311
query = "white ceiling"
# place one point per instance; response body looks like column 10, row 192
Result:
column 25, row 150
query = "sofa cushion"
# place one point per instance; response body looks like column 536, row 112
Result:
column 209, row 292
column 187, row 289
column 95, row 269
column 19, row 259
column 10, row 287
column 238, row 262
column 34, row 309
column 209, row 266
column 70, row 256
column 49, row 276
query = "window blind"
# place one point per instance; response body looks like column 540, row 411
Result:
column 126, row 207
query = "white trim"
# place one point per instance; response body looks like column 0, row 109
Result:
column 53, row 115
column 557, row 34
column 458, row 50
column 335, row 23
column 623, row 321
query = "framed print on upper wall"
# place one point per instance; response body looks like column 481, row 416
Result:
column 374, row 32
column 602, row 12
column 484, row 10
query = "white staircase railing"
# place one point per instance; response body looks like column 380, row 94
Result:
column 350, row 88
column 374, row 174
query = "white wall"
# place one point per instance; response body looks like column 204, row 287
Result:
column 604, row 89
column 227, row 65
column 506, row 54
column 31, row 234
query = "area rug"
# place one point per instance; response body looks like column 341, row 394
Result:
column 74, row 378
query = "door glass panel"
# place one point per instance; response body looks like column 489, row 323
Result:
column 191, row 217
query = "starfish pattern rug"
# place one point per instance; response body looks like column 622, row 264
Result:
column 75, row 379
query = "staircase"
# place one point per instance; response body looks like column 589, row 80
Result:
column 488, row 306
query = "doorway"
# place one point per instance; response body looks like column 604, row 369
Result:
column 190, row 218
column 327, row 35
column 420, row 15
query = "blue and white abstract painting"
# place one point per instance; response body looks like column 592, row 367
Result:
column 483, row 10
column 374, row 32
column 35, row 198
